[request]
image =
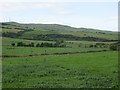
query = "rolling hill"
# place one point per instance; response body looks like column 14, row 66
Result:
column 58, row 56
column 52, row 31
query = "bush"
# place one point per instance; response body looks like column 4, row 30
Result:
column 13, row 44
column 31, row 44
column 91, row 45
column 114, row 46
column 20, row 44
column 38, row 45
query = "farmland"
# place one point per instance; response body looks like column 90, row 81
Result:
column 61, row 71
column 82, row 58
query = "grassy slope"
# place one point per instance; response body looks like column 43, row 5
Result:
column 60, row 29
column 10, row 30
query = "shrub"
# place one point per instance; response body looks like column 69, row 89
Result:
column 113, row 47
column 38, row 45
column 13, row 44
column 20, row 44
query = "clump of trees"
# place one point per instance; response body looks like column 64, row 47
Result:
column 43, row 44
column 101, row 45
column 23, row 44
column 115, row 47
column 97, row 45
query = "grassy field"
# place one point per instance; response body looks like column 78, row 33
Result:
column 7, row 48
column 40, row 32
column 87, row 70
column 69, row 71
column 8, row 41
column 108, row 36
column 75, row 65
column 113, row 36
column 11, row 30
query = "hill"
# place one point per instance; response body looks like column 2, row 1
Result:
column 55, row 31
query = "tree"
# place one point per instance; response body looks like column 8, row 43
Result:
column 91, row 45
column 13, row 44
column 42, row 44
column 20, row 44
column 31, row 44
column 95, row 46
column 114, row 47
column 38, row 45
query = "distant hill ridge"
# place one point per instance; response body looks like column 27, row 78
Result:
column 54, row 27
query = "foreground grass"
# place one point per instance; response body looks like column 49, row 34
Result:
column 90, row 70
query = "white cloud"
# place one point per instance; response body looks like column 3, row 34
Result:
column 55, row 7
column 12, row 6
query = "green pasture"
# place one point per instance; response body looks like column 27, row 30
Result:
column 43, row 50
column 109, row 36
column 10, row 30
column 39, row 32
column 8, row 48
column 8, row 41
column 91, row 70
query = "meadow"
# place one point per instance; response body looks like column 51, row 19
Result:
column 62, row 71
column 87, row 63
column 80, row 70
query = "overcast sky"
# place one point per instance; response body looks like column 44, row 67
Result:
column 98, row 15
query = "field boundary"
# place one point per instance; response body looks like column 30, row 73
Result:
column 63, row 53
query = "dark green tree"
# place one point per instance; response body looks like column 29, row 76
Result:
column 114, row 47
column 13, row 44
column 38, row 45
column 20, row 44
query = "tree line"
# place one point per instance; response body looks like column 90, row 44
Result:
column 113, row 46
column 43, row 44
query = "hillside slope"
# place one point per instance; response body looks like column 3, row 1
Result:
column 52, row 31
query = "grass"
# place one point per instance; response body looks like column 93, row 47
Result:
column 82, row 70
column 40, row 32
column 7, row 41
column 62, row 71
column 7, row 48
column 111, row 36
column 42, row 50
column 10, row 30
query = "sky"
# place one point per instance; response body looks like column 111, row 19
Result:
column 97, row 15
